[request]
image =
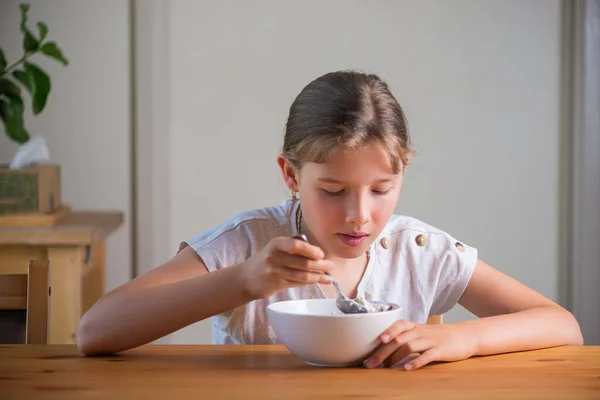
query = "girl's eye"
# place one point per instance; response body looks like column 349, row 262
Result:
column 333, row 194
column 381, row 192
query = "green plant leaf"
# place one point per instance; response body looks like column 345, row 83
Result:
column 11, row 113
column 3, row 62
column 43, row 29
column 8, row 88
column 30, row 43
column 16, row 104
column 25, row 80
column 42, row 87
column 51, row 50
column 24, row 7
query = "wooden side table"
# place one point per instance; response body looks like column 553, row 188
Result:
column 75, row 247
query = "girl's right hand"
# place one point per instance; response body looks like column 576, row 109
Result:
column 283, row 263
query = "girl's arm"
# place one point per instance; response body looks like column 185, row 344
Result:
column 513, row 317
column 183, row 292
column 158, row 303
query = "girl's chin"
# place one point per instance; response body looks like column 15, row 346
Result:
column 347, row 252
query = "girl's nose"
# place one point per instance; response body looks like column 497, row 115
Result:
column 357, row 211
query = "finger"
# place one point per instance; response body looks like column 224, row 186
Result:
column 396, row 329
column 302, row 263
column 386, row 350
column 424, row 359
column 411, row 347
column 299, row 247
column 297, row 276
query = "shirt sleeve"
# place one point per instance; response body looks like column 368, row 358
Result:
column 222, row 245
column 234, row 240
column 455, row 263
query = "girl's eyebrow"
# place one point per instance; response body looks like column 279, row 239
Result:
column 327, row 179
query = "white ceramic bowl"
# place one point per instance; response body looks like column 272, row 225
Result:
column 317, row 332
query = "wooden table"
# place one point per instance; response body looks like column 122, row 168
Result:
column 75, row 247
column 271, row 372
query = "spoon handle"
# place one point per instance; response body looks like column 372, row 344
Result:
column 337, row 287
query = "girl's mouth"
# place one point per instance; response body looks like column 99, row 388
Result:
column 352, row 240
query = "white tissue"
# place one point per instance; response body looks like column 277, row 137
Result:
column 33, row 151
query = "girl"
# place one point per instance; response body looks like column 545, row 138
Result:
column 345, row 150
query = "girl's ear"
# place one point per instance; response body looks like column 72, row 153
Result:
column 406, row 162
column 290, row 175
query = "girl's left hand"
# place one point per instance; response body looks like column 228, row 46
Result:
column 443, row 342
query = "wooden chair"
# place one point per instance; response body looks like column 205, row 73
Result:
column 436, row 319
column 30, row 293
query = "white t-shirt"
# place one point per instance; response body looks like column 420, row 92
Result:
column 412, row 264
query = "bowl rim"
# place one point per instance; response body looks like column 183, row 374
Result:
column 270, row 307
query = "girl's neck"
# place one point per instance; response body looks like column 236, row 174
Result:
column 345, row 264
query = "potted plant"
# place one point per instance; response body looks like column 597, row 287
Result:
column 26, row 186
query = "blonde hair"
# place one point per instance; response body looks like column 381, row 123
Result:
column 345, row 110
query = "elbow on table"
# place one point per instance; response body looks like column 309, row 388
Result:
column 576, row 337
column 89, row 341
column 573, row 330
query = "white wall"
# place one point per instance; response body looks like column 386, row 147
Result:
column 87, row 118
column 479, row 81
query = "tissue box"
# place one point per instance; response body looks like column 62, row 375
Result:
column 32, row 190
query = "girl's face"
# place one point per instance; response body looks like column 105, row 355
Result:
column 347, row 201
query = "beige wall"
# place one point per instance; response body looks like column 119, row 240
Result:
column 87, row 118
column 479, row 81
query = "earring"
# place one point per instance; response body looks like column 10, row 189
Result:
column 294, row 196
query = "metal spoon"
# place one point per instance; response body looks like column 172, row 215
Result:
column 344, row 303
